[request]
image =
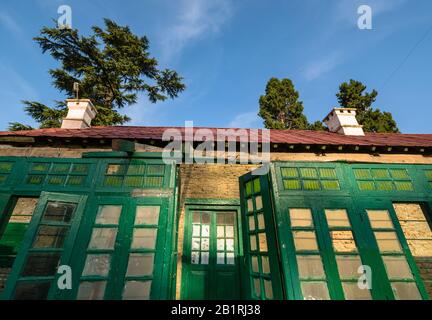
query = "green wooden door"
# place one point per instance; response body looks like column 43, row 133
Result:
column 263, row 278
column 211, row 261
column 122, row 252
column 47, row 244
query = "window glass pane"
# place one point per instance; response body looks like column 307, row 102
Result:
column 348, row 266
column 262, row 242
column 205, row 218
column 220, row 244
column 230, row 258
column 147, row 215
column 50, row 237
column 388, row 242
column 94, row 290
column 137, row 290
column 405, row 291
column 144, row 238
column 220, row 218
column 97, row 265
column 258, row 203
column 196, row 243
column 23, row 210
column 196, row 230
column 315, row 291
column 204, row 257
column 108, row 214
column 251, row 223
column 220, row 259
column 397, row 267
column 379, row 219
column 41, row 264
column 257, row 287
column 195, row 257
column 305, row 240
column 205, row 230
column 229, row 218
column 337, row 218
column 205, row 243
column 32, row 290
column 265, row 264
column 103, row 238
column 140, row 264
column 353, row 292
column 253, row 244
column 58, row 211
column 229, row 231
column 255, row 267
column 268, row 289
column 310, row 267
column 343, row 241
column 220, row 231
column 301, row 217
column 196, row 217
column 261, row 221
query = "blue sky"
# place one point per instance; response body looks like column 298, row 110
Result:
column 227, row 50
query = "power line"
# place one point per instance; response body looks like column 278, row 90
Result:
column 406, row 58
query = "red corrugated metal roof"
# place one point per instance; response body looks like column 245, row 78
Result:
column 303, row 137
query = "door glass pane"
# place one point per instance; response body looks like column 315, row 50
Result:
column 257, row 286
column 230, row 257
column 229, row 231
column 253, row 245
column 196, row 230
column 108, row 214
column 58, row 211
column 337, row 218
column 93, row 290
column 255, row 267
column 103, row 238
column 258, row 203
column 251, row 223
column 268, row 289
column 220, row 231
column 137, row 290
column 265, row 264
column 196, row 243
column 140, row 264
column 315, row 291
column 205, row 243
column 343, row 241
column 229, row 244
column 262, row 242
column 301, row 217
column 32, row 290
column 220, row 244
column 195, row 257
column 260, row 218
column 204, row 257
column 379, row 219
column 305, row 240
column 348, row 266
column 205, row 218
column 405, row 291
column 147, row 215
column 144, row 238
column 353, row 292
column 50, row 237
column 397, row 267
column 249, row 205
column 97, row 265
column 229, row 218
column 205, row 230
column 310, row 266
column 387, row 241
column 41, row 264
column 220, row 258
column 196, row 217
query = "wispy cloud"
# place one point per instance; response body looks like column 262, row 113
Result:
column 196, row 20
column 9, row 23
column 317, row 68
column 245, row 120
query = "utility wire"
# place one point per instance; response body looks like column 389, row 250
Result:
column 406, row 58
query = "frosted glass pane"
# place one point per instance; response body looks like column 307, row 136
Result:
column 93, row 290
column 140, row 264
column 220, row 259
column 310, row 267
column 204, row 257
column 220, row 244
column 337, row 218
column 137, row 290
column 405, row 291
column 108, row 214
column 97, row 265
column 103, row 238
column 305, row 240
column 348, row 266
column 196, row 230
column 301, row 217
column 229, row 231
column 205, row 230
column 220, row 231
column 353, row 292
column 230, row 258
column 230, row 244
column 315, row 291
column 196, row 243
column 144, row 238
column 147, row 215
column 195, row 257
column 205, row 243
column 397, row 267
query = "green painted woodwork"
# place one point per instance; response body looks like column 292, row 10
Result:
column 211, row 252
column 10, row 243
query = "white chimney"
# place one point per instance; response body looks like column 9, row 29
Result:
column 80, row 114
column 343, row 121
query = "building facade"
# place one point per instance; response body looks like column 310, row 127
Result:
column 336, row 216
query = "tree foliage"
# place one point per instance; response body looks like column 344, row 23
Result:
column 353, row 95
column 280, row 106
column 112, row 66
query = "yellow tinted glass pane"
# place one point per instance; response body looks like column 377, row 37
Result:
column 300, row 217
column 337, row 218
